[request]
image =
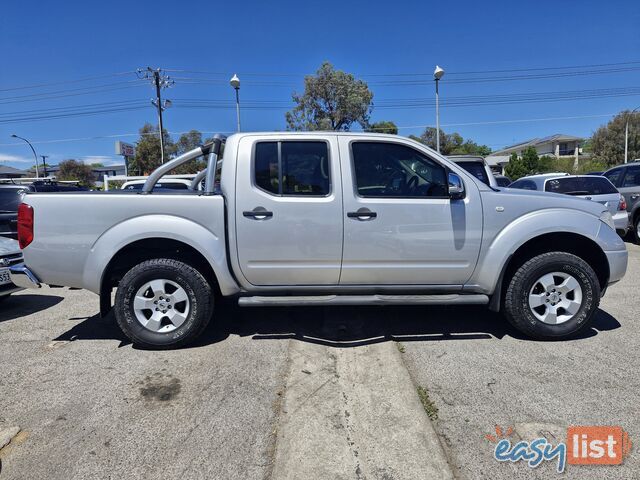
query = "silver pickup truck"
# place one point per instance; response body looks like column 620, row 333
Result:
column 322, row 218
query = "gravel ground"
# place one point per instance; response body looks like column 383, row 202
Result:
column 91, row 406
column 484, row 374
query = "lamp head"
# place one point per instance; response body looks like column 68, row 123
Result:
column 14, row 135
column 235, row 81
column 438, row 72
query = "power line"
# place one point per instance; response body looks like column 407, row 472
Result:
column 412, row 74
column 65, row 82
column 404, row 127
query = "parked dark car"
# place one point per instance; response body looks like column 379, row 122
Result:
column 10, row 197
column 626, row 179
column 502, row 180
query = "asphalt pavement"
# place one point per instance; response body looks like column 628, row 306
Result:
column 399, row 390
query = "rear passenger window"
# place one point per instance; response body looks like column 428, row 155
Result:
column 292, row 168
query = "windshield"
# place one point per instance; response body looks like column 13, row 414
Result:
column 477, row 170
column 589, row 185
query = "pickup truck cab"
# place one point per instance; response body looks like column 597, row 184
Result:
column 322, row 218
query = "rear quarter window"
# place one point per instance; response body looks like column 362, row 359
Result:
column 580, row 186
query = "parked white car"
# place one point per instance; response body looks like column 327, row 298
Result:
column 589, row 187
column 10, row 254
column 166, row 184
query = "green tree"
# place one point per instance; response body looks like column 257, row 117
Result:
column 607, row 143
column 547, row 164
column 530, row 160
column 76, row 171
column 384, row 126
column 332, row 100
column 189, row 141
column 469, row 147
column 148, row 156
column 516, row 168
column 451, row 143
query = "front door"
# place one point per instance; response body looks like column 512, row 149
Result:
column 289, row 211
column 401, row 227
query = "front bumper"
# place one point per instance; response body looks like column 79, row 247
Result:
column 21, row 276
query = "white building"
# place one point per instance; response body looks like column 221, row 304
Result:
column 558, row 145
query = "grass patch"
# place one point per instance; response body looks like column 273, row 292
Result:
column 427, row 403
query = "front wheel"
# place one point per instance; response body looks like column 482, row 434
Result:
column 552, row 296
column 163, row 303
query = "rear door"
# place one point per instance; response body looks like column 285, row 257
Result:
column 401, row 227
column 289, row 210
column 630, row 186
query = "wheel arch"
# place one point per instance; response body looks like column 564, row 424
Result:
column 569, row 242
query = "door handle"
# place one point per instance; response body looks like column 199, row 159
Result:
column 257, row 213
column 362, row 214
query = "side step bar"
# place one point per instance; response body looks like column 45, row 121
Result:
column 451, row 299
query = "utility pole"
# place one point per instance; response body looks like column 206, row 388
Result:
column 44, row 164
column 159, row 81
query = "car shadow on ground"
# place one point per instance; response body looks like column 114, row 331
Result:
column 342, row 326
column 17, row 306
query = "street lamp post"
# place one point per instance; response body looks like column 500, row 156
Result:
column 235, row 83
column 437, row 75
column 32, row 149
column 626, row 135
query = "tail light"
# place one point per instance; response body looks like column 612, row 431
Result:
column 25, row 225
column 623, row 203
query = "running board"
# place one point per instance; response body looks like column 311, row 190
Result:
column 451, row 299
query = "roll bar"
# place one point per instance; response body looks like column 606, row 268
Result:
column 197, row 179
column 211, row 150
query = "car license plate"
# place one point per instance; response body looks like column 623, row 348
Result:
column 4, row 276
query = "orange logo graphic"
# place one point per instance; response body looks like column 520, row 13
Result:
column 597, row 445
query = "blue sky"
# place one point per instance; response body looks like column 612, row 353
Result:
column 273, row 44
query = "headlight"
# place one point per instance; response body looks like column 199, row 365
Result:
column 607, row 218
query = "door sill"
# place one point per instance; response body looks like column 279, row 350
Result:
column 307, row 300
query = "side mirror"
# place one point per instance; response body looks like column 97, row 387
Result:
column 456, row 187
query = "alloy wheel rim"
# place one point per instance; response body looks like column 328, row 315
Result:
column 161, row 305
column 555, row 298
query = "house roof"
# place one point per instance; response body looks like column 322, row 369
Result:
column 558, row 137
column 6, row 171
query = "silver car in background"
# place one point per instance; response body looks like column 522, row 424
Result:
column 589, row 187
column 10, row 254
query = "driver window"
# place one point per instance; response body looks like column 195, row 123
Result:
column 394, row 170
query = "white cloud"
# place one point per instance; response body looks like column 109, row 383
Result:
column 5, row 157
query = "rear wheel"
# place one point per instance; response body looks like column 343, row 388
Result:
column 636, row 228
column 552, row 296
column 163, row 303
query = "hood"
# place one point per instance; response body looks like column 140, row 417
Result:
column 540, row 200
column 8, row 246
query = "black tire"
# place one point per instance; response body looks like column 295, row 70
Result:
column 636, row 229
column 516, row 304
column 198, row 290
column 4, row 297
